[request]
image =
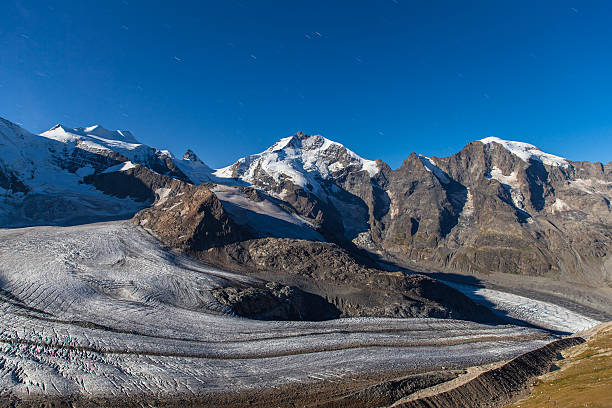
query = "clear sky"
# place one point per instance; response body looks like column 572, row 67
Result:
column 228, row 78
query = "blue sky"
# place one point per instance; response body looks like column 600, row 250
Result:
column 228, row 78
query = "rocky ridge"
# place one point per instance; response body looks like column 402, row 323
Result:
column 193, row 220
column 495, row 206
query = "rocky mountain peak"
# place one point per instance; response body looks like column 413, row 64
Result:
column 191, row 156
column 489, row 207
column 303, row 159
column 301, row 135
column 58, row 126
column 527, row 152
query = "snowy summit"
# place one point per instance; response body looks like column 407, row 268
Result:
column 301, row 158
column 527, row 152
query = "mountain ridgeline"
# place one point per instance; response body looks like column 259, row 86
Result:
column 495, row 206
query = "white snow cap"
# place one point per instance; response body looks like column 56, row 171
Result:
column 299, row 157
column 527, row 152
column 60, row 131
column 96, row 137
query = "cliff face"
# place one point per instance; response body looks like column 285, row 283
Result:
column 192, row 219
column 485, row 209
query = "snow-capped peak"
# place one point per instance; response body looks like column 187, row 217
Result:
column 44, row 186
column 191, row 156
column 527, row 152
column 301, row 158
column 191, row 165
column 98, row 140
column 61, row 132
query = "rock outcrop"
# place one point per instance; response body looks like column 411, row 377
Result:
column 183, row 216
column 274, row 301
column 352, row 286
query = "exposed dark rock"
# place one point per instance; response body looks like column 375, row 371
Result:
column 190, row 217
column 138, row 183
column 388, row 392
column 275, row 302
column 252, row 193
column 355, row 289
column 9, row 181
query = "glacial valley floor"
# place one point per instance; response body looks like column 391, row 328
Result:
column 102, row 313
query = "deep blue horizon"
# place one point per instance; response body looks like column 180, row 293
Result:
column 385, row 78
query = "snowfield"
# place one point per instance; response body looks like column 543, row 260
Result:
column 103, row 310
column 96, row 138
column 265, row 217
column 55, row 195
column 542, row 314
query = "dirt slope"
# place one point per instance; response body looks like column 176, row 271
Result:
column 583, row 378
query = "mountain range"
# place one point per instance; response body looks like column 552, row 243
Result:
column 494, row 206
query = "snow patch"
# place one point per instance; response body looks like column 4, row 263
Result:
column 85, row 171
column 589, row 186
column 264, row 216
column 511, row 184
column 559, row 206
column 120, row 167
column 195, row 169
column 162, row 195
column 527, row 152
column 468, row 207
column 431, row 166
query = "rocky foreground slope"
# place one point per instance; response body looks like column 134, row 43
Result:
column 582, row 378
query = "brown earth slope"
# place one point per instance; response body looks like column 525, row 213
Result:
column 582, row 379
column 494, row 387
